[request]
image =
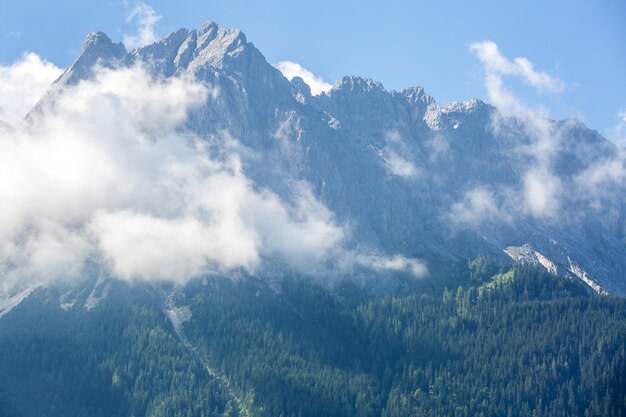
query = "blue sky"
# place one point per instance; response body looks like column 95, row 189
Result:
column 581, row 44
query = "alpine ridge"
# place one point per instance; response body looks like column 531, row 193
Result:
column 439, row 182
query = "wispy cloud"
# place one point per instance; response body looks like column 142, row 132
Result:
column 145, row 17
column 396, row 263
column 293, row 69
column 478, row 205
column 540, row 189
column 543, row 191
column 13, row 34
column 497, row 66
column 396, row 156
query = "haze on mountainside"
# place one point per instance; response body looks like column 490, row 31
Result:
column 193, row 155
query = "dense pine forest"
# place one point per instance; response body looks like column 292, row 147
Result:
column 500, row 342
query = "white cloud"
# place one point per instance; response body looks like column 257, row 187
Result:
column 394, row 157
column 479, row 204
column 143, row 246
column 600, row 181
column 542, row 189
column 146, row 18
column 396, row 263
column 611, row 172
column 541, row 192
column 603, row 181
column 497, row 66
column 307, row 221
column 495, row 62
column 401, row 167
column 23, row 84
column 293, row 69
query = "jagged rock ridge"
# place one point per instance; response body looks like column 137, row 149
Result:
column 394, row 165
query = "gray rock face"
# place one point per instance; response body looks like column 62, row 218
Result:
column 409, row 176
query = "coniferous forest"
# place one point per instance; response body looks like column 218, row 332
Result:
column 499, row 342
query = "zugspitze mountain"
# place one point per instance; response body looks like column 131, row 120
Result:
column 406, row 177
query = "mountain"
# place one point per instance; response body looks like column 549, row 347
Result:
column 520, row 221
column 443, row 183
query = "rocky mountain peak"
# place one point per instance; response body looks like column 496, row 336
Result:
column 394, row 164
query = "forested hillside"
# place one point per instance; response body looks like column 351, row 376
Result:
column 119, row 359
column 513, row 342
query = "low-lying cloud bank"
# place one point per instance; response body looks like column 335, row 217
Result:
column 108, row 173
